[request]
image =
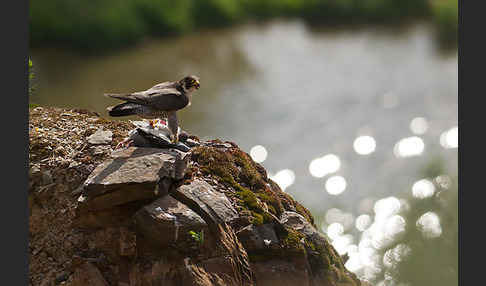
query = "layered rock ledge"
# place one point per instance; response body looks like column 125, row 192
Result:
column 140, row 215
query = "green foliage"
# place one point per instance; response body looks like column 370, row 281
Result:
column 165, row 17
column 445, row 15
column 88, row 25
column 197, row 236
column 99, row 25
column 273, row 8
column 216, row 12
column 31, row 77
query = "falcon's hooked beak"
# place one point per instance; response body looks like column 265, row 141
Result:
column 197, row 85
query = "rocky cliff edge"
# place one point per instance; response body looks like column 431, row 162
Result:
column 101, row 215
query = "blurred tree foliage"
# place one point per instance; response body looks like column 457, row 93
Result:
column 445, row 15
column 97, row 25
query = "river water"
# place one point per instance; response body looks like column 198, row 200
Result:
column 298, row 94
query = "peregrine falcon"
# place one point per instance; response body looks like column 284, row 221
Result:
column 161, row 100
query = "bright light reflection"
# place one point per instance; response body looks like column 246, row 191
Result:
column 386, row 207
column 423, row 189
column 341, row 243
column 401, row 251
column 394, row 226
column 408, row 147
column 353, row 264
column 388, row 260
column 363, row 222
column 258, row 153
column 364, row 145
column 429, row 225
column 443, row 181
column 372, row 272
column 284, row 178
column 378, row 234
column 352, row 249
column 322, row 166
column 366, row 252
column 419, row 125
column 334, row 230
column 450, row 138
column 335, row 185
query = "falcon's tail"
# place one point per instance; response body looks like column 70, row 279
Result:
column 122, row 96
column 124, row 109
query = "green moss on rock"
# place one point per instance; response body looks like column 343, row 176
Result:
column 253, row 190
column 293, row 240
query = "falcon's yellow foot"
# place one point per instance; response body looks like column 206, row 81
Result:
column 174, row 139
column 152, row 124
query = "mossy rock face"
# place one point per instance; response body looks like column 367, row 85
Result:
column 246, row 183
column 250, row 186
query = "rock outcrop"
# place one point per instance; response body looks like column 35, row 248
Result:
column 139, row 215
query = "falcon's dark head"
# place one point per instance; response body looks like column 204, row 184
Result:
column 190, row 83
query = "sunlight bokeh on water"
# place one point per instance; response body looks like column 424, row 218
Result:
column 258, row 153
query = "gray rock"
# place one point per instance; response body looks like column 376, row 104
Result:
column 192, row 143
column 132, row 174
column 259, row 237
column 317, row 265
column 100, row 149
column 100, row 137
column 166, row 221
column 213, row 206
column 299, row 223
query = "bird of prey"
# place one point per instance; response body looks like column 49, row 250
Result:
column 161, row 100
